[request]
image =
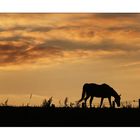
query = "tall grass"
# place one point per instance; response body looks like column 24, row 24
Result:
column 47, row 103
column 5, row 103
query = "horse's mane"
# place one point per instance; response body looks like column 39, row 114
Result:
column 106, row 85
column 109, row 87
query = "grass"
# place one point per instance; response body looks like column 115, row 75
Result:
column 68, row 114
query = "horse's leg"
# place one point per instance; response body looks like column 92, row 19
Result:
column 101, row 102
column 109, row 99
column 79, row 100
column 86, row 100
column 91, row 101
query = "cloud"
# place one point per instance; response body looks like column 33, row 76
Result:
column 117, row 15
column 53, row 51
column 15, row 38
column 49, row 38
column 17, row 54
column 105, row 44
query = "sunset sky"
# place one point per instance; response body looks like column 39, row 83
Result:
column 55, row 54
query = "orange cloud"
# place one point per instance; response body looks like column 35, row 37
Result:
column 44, row 39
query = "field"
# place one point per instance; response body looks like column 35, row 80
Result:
column 66, row 116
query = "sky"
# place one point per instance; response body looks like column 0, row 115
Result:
column 55, row 54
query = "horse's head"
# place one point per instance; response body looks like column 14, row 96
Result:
column 117, row 100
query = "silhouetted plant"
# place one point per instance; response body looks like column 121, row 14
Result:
column 5, row 103
column 77, row 105
column 66, row 102
column 71, row 104
column 126, row 105
column 47, row 103
column 30, row 97
column 129, row 105
column 60, row 104
column 122, row 105
column 53, row 105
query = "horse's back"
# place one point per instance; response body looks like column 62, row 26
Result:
column 90, row 86
column 97, row 90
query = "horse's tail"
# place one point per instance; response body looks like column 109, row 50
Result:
column 83, row 94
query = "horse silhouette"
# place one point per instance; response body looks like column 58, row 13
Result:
column 100, row 91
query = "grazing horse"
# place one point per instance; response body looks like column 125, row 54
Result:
column 101, row 91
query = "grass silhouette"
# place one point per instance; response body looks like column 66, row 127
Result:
column 47, row 114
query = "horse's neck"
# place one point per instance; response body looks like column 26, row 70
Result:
column 115, row 95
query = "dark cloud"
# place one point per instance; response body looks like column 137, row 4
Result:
column 27, row 28
column 22, row 54
column 26, row 48
column 16, row 38
column 38, row 28
column 111, row 44
column 14, row 28
column 135, row 28
column 117, row 15
column 20, row 27
column 41, row 29
column 2, row 29
column 10, row 53
column 117, row 51
column 45, row 28
column 105, row 44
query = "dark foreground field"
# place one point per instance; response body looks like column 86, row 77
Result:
column 37, row 116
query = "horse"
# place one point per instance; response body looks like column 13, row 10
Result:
column 100, row 91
